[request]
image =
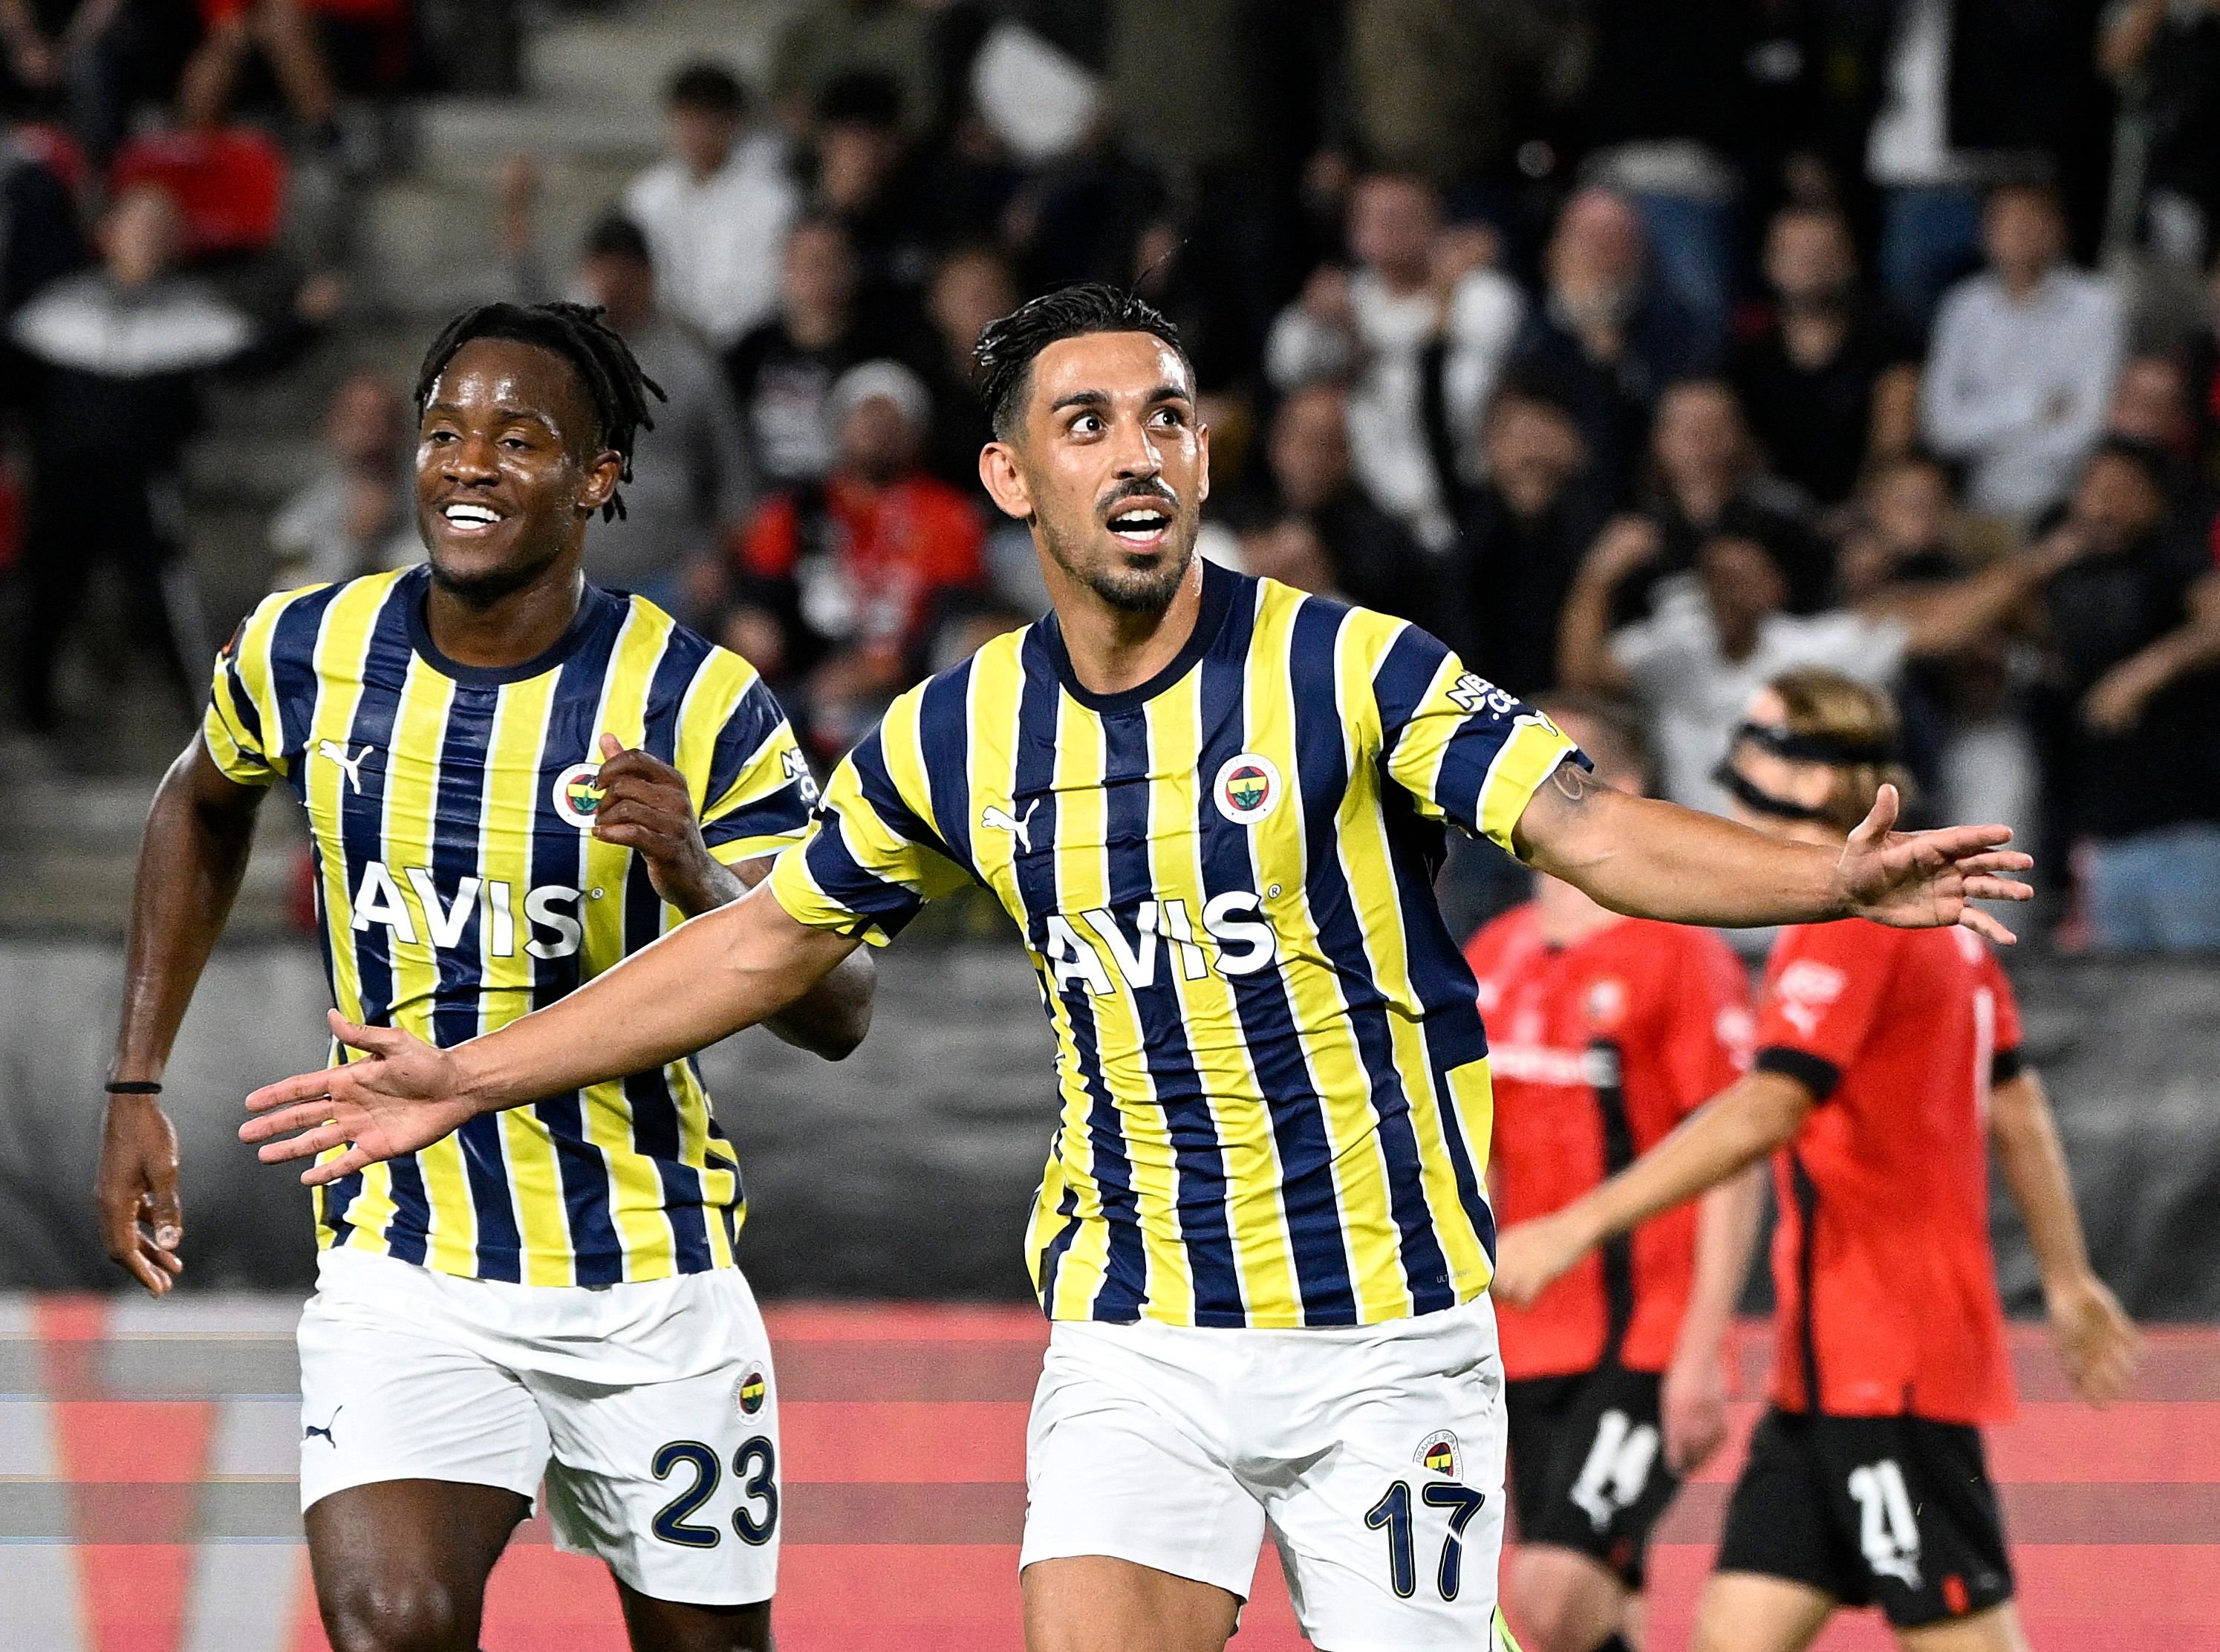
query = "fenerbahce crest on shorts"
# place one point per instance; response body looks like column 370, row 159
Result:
column 1247, row 789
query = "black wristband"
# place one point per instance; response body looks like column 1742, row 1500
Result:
column 134, row 1087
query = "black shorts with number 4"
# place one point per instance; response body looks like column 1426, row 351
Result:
column 1588, row 1464
column 1893, row 1512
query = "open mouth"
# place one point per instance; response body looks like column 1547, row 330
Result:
column 1140, row 525
column 469, row 519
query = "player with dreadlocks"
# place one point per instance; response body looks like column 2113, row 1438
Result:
column 513, row 780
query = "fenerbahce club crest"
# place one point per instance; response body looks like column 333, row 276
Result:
column 578, row 793
column 1247, row 789
column 1439, row 1453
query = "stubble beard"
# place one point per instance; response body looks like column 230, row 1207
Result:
column 1129, row 590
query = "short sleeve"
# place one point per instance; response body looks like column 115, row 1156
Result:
column 2005, row 1060
column 1467, row 751
column 1708, row 1031
column 1822, row 997
column 240, row 729
column 754, row 788
column 874, row 857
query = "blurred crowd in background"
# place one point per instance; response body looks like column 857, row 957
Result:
column 1650, row 349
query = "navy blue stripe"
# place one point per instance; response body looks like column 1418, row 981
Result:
column 1198, row 1157
column 362, row 834
column 656, row 1126
column 558, row 859
column 1267, row 1013
column 1321, row 764
column 877, row 782
column 944, row 732
column 1125, row 1281
column 1401, row 679
column 242, row 705
column 1052, row 1253
column 292, row 653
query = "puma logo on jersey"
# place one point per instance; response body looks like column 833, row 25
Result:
column 1019, row 826
column 338, row 753
column 309, row 1431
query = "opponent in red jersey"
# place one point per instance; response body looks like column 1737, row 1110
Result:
column 1883, row 1061
column 1605, row 1032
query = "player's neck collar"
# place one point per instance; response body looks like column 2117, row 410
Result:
column 1219, row 585
column 596, row 608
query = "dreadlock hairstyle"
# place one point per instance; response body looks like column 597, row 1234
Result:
column 576, row 333
column 1004, row 360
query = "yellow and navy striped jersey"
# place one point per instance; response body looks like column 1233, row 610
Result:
column 459, row 887
column 1273, row 1081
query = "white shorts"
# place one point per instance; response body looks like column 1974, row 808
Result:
column 1373, row 1454
column 650, row 1408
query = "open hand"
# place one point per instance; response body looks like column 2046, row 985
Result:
column 1532, row 1256
column 1928, row 880
column 142, row 1224
column 405, row 1097
column 2098, row 1344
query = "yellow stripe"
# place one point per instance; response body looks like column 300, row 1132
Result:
column 1370, row 871
column 1370, row 1237
column 1534, row 749
column 635, row 1189
column 1256, row 1214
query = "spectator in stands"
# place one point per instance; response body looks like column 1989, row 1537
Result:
column 39, row 236
column 1311, row 505
column 781, row 372
column 1520, row 538
column 2204, row 370
column 970, row 287
column 2024, row 359
column 865, row 180
column 2135, row 630
column 120, row 354
column 840, row 583
column 1415, row 285
column 357, row 516
column 1831, row 381
column 59, row 60
column 2168, row 56
column 824, row 40
column 234, row 32
column 1705, row 473
column 717, row 209
column 1607, row 337
column 691, row 482
column 1722, row 631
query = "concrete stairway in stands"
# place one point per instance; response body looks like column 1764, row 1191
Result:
column 421, row 245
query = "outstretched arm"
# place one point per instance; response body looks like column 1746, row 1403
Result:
column 708, row 978
column 2099, row 1346
column 198, row 834
column 1736, row 1128
column 1652, row 859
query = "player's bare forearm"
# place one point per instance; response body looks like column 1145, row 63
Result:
column 2028, row 1151
column 199, row 832
column 1740, row 1125
column 1726, row 1238
column 1648, row 858
column 1653, row 859
column 832, row 1018
column 707, row 980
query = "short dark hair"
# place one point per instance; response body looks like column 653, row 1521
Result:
column 602, row 361
column 863, row 96
column 1007, row 349
column 614, row 236
column 708, row 87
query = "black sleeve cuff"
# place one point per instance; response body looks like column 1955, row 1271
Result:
column 1815, row 1072
column 2006, row 1066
